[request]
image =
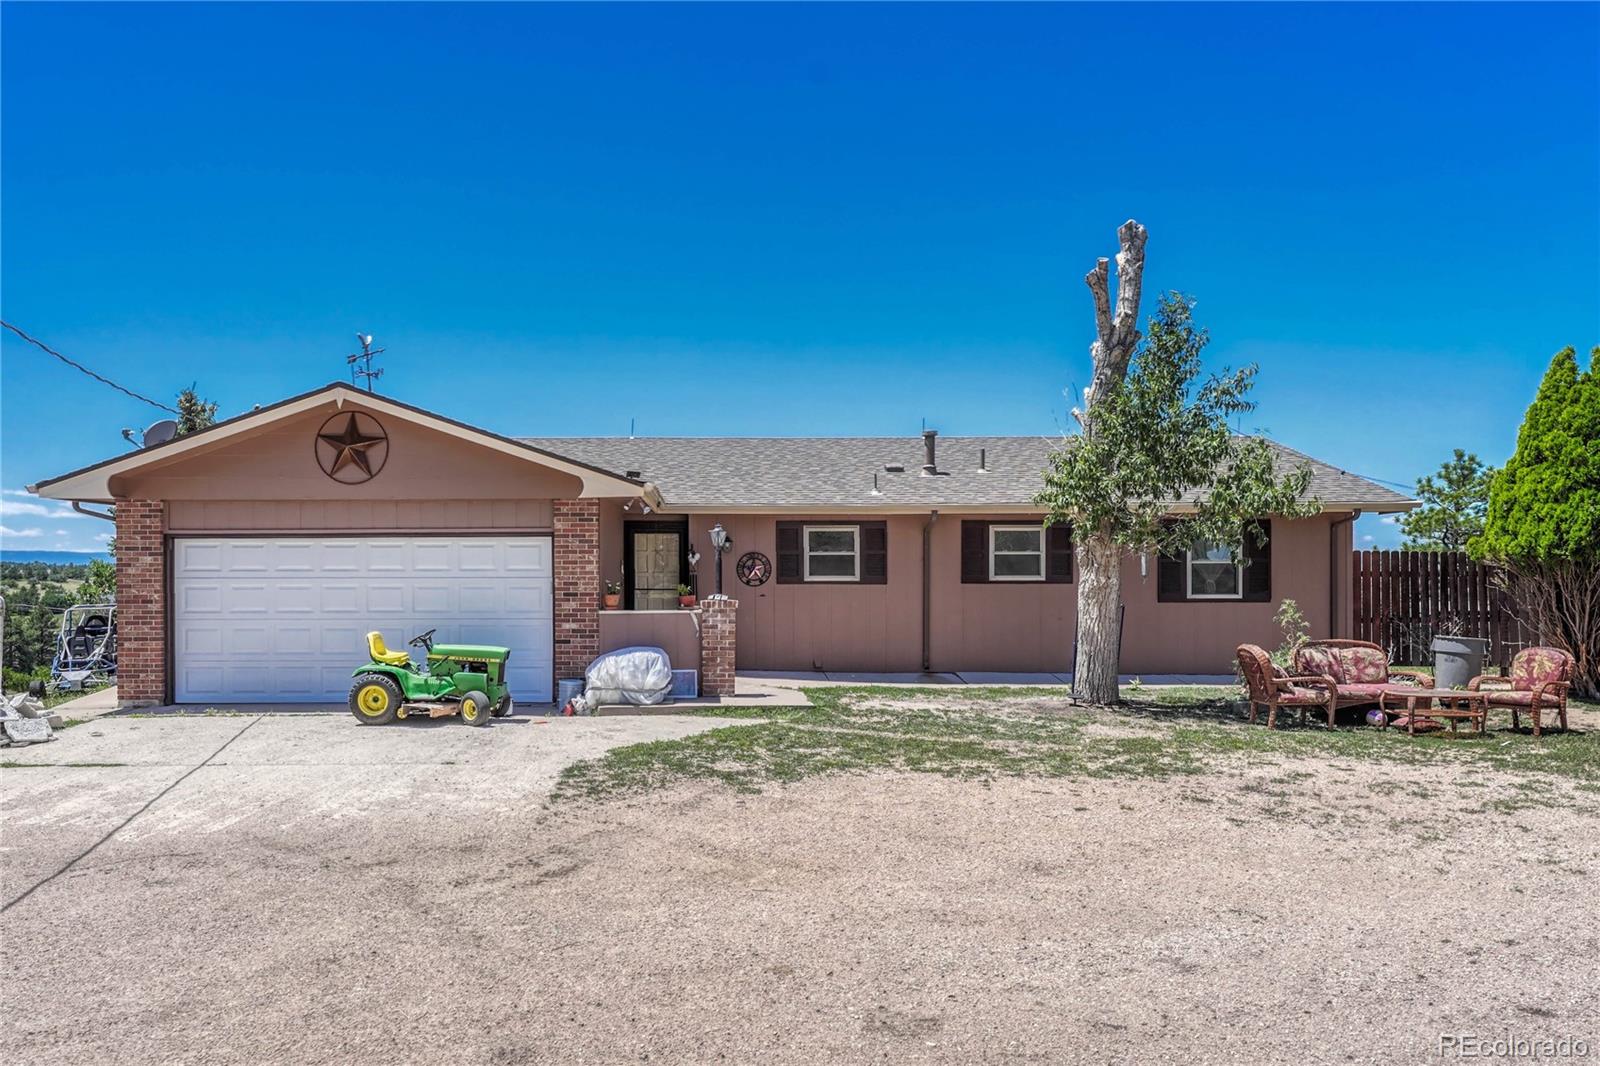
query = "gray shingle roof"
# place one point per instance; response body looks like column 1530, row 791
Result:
column 824, row 472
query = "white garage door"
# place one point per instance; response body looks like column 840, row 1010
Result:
column 285, row 619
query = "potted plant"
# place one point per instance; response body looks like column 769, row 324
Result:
column 613, row 595
column 686, row 597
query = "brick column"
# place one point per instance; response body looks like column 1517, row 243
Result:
column 141, row 603
column 719, row 634
column 577, row 585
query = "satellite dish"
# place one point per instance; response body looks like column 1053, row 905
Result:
column 160, row 432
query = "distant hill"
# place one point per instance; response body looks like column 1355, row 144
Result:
column 22, row 555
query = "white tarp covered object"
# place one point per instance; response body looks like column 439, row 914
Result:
column 640, row 676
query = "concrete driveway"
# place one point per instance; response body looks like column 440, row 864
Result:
column 152, row 863
column 122, row 783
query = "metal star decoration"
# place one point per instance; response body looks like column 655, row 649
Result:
column 351, row 447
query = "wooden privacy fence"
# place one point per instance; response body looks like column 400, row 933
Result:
column 1403, row 599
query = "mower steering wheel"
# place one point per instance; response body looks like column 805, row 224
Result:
column 423, row 640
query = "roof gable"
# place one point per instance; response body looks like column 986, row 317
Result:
column 96, row 482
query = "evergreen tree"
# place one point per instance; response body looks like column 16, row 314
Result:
column 1454, row 502
column 193, row 412
column 1543, row 522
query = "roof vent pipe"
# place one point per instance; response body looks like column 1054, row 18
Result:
column 929, row 468
column 983, row 460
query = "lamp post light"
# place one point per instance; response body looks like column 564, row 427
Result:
column 720, row 543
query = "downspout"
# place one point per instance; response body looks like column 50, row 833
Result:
column 1333, row 570
column 927, row 588
column 78, row 506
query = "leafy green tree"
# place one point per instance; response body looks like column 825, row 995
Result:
column 1454, row 502
column 1153, row 435
column 193, row 412
column 100, row 585
column 1543, row 522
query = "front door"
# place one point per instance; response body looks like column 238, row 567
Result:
column 656, row 565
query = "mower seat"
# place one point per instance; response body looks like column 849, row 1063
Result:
column 381, row 654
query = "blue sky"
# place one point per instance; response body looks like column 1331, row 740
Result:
column 793, row 220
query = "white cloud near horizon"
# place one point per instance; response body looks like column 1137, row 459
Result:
column 35, row 508
column 7, row 531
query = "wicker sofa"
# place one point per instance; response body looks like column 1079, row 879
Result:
column 1358, row 670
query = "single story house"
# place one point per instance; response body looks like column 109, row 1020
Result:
column 253, row 556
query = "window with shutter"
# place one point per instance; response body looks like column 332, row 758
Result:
column 833, row 553
column 1208, row 571
column 996, row 551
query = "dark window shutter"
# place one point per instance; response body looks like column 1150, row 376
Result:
column 1172, row 584
column 1258, row 564
column 974, row 552
column 874, row 548
column 790, row 565
column 1058, row 554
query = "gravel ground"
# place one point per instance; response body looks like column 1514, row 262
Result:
column 404, row 896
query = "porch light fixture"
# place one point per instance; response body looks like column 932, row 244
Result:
column 721, row 543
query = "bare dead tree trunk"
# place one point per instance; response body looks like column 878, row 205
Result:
column 1094, row 671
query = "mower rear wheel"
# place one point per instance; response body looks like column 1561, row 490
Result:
column 504, row 707
column 375, row 699
column 476, row 708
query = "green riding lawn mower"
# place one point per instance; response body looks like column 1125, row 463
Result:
column 464, row 679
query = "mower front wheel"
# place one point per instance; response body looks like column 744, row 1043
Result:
column 504, row 707
column 475, row 708
column 375, row 699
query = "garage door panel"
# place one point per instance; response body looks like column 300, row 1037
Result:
column 387, row 597
column 297, row 597
column 197, row 640
column 433, row 557
column 246, row 599
column 528, row 557
column 529, row 598
column 296, row 640
column 388, row 557
column 200, row 598
column 344, row 597
column 433, row 597
column 295, row 557
column 197, row 558
column 247, row 640
column 341, row 557
column 292, row 625
column 346, row 640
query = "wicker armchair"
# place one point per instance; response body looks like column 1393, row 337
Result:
column 1358, row 669
column 1267, row 686
column 1539, row 680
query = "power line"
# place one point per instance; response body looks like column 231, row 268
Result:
column 86, row 370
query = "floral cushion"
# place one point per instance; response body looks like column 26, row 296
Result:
column 1318, row 661
column 1297, row 694
column 1501, row 697
column 1369, row 690
column 1364, row 666
column 1535, row 666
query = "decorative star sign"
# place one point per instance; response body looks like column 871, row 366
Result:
column 358, row 454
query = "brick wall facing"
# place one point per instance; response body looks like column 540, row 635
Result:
column 719, row 630
column 141, row 603
column 576, row 552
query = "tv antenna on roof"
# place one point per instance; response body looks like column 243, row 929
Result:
column 364, row 357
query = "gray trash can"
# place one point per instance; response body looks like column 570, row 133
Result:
column 1457, row 660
